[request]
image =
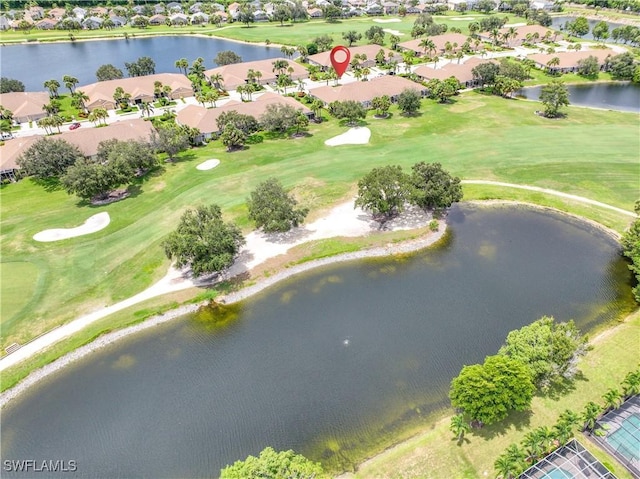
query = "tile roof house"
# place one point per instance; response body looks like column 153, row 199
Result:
column 205, row 119
column 365, row 91
column 141, row 89
column 26, row 106
column 57, row 13
column 323, row 59
column 235, row 74
column 524, row 33
column 440, row 42
column 157, row 19
column 568, row 61
column 46, row 24
column 462, row 72
column 86, row 139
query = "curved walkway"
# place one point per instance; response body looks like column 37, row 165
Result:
column 356, row 223
column 580, row 199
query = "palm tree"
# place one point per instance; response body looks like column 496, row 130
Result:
column 146, row 107
column 554, row 62
column 459, row 426
column 435, row 61
column 70, row 82
column 287, row 51
column 505, row 467
column 182, row 65
column 45, row 123
column 427, row 45
column 459, row 56
column 513, row 33
column 304, row 53
column 52, row 86
column 79, row 97
column 93, row 117
column 280, row 66
column 533, row 444
column 217, row 80
column 631, row 384
column 197, row 69
column 212, row 96
column 590, row 416
column 611, row 399
column 101, row 114
column 57, row 121
column 495, row 34
column 546, row 438
column 316, row 107
column 365, row 73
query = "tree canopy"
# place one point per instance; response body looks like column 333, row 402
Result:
column 488, row 392
column 227, row 57
column 108, row 72
column 279, row 117
column 49, row 158
column 383, row 191
column 141, row 67
column 550, row 350
column 204, row 241
column 409, row 101
column 350, row 110
column 171, row 139
column 631, row 249
column 9, row 84
column 433, row 187
column 554, row 95
column 273, row 209
column 274, row 465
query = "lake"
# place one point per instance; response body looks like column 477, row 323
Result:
column 333, row 363
column 611, row 96
column 558, row 23
column 33, row 64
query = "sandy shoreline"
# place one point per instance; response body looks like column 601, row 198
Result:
column 109, row 338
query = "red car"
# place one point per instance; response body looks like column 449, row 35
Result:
column 74, row 126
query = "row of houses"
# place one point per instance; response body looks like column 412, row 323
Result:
column 86, row 139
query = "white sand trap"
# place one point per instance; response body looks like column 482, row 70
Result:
column 92, row 225
column 208, row 165
column 387, row 20
column 392, row 32
column 355, row 136
column 515, row 25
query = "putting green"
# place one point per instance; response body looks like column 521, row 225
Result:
column 18, row 282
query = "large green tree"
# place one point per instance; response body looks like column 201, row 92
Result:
column 433, row 187
column 204, row 241
column 488, row 392
column 631, row 249
column 550, row 350
column 9, row 84
column 232, row 137
column 272, row 209
column 350, row 110
column 383, row 191
column 409, row 101
column 171, row 139
column 274, row 465
column 622, row 67
column 48, row 158
column 245, row 123
column 279, row 117
column 227, row 57
column 554, row 95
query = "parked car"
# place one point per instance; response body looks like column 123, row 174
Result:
column 74, row 126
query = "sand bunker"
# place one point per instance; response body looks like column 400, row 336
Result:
column 387, row 20
column 355, row 136
column 92, row 225
column 392, row 32
column 208, row 165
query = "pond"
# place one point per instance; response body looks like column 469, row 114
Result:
column 333, row 363
column 558, row 23
column 33, row 64
column 611, row 96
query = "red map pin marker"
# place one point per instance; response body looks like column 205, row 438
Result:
column 340, row 57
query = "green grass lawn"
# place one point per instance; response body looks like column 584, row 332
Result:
column 290, row 33
column 434, row 454
column 590, row 153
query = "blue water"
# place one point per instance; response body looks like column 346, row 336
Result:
column 33, row 64
column 558, row 473
column 626, row 440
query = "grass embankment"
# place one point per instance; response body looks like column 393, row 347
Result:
column 290, row 33
column 590, row 153
column 434, row 454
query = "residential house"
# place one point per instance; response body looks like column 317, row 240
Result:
column 260, row 16
column 98, row 11
column 26, row 106
column 462, row 72
column 456, row 40
column 4, row 23
column 373, row 9
column 57, row 13
column 92, row 23
column 179, row 19
column 323, row 59
column 35, row 13
column 157, row 19
column 205, row 119
column 141, row 89
column 86, row 139
column 365, row 91
column 235, row 74
column 158, row 8
column 138, row 9
column 199, row 17
column 174, row 7
column 195, row 8
column 314, row 13
column 390, row 8
column 47, row 24
column 118, row 21
column 524, row 33
column 568, row 61
column 79, row 12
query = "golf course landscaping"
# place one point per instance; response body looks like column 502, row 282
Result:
column 589, row 153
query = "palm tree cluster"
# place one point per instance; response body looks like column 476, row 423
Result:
column 543, row 440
